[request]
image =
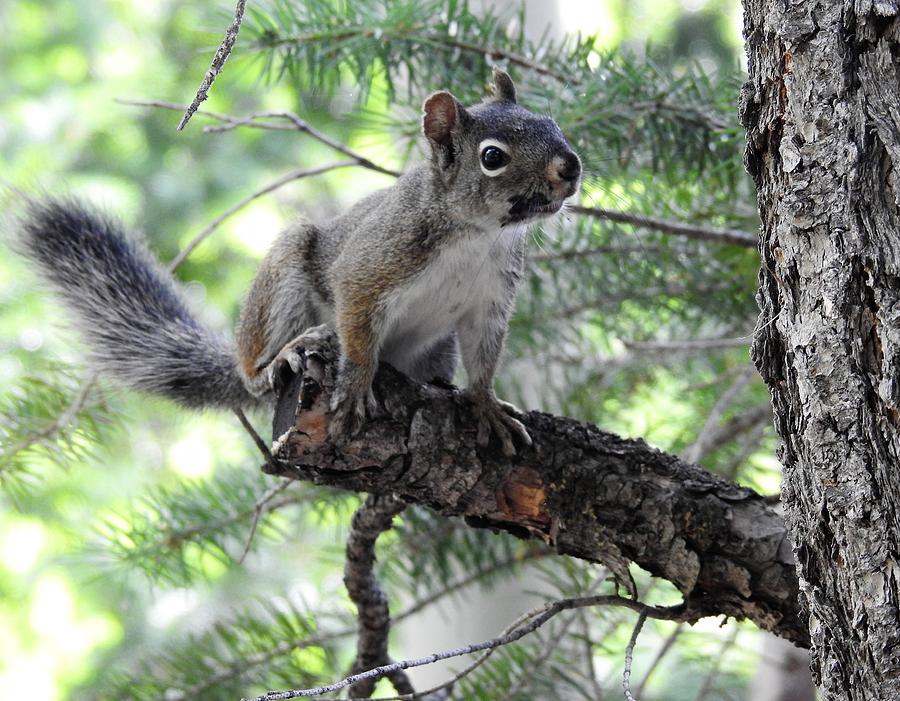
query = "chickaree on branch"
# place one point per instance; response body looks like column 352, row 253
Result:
column 416, row 275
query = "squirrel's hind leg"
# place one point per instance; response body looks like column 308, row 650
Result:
column 438, row 363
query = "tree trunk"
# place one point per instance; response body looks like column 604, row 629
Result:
column 822, row 113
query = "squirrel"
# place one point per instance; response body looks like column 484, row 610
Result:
column 414, row 275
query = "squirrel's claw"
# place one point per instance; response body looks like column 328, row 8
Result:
column 494, row 416
column 290, row 359
column 349, row 412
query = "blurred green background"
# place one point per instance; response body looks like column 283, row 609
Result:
column 79, row 597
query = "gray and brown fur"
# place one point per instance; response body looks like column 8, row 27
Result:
column 414, row 275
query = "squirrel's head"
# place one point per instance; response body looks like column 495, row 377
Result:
column 498, row 162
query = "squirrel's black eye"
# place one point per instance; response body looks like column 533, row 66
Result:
column 493, row 158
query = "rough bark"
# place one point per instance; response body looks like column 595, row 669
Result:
column 590, row 494
column 822, row 113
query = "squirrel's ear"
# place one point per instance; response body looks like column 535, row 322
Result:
column 503, row 87
column 442, row 116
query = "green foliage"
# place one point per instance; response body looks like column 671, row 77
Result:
column 178, row 535
column 268, row 644
column 52, row 417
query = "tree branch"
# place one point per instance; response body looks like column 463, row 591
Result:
column 525, row 624
column 701, row 233
column 370, row 521
column 297, row 174
column 588, row 493
column 218, row 62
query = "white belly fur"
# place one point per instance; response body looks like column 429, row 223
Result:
column 464, row 277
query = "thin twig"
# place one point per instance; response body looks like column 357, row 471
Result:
column 629, row 656
column 663, row 651
column 218, row 62
column 573, row 253
column 257, row 514
column 260, row 443
column 559, row 633
column 589, row 656
column 748, row 420
column 531, row 621
column 703, row 444
column 701, row 233
column 274, row 185
column 301, row 125
column 750, row 445
column 295, row 123
column 688, row 344
column 710, row 679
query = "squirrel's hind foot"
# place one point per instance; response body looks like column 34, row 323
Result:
column 497, row 416
column 350, row 409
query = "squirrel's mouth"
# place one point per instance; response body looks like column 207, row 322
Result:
column 534, row 205
column 552, row 207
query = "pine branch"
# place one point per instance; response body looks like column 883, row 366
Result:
column 162, row 534
column 56, row 414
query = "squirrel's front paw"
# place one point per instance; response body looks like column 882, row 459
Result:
column 495, row 415
column 350, row 408
column 290, row 358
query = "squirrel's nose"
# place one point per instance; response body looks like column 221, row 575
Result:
column 568, row 166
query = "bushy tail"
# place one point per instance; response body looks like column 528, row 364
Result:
column 129, row 309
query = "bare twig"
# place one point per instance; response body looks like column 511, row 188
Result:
column 573, row 253
column 704, row 444
column 749, row 445
column 688, row 344
column 274, row 185
column 701, row 233
column 374, row 622
column 549, row 649
column 260, row 443
column 629, row 656
column 663, row 651
column 294, row 123
column 218, row 62
column 750, row 419
column 710, row 678
column 257, row 513
column 527, row 623
column 591, row 671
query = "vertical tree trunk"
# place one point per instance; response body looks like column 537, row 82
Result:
column 822, row 113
